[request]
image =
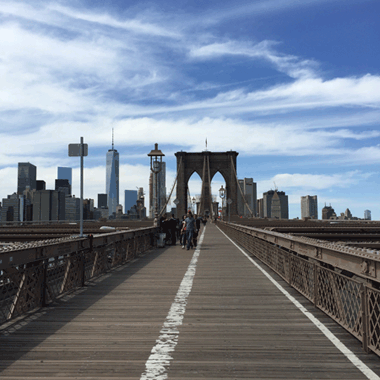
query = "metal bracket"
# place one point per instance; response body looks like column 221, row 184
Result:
column 368, row 267
column 318, row 252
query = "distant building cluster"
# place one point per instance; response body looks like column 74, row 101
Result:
column 328, row 213
column 33, row 202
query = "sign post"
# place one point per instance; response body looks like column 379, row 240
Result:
column 81, row 150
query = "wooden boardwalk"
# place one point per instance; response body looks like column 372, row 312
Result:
column 236, row 325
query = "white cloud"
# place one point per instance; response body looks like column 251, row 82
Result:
column 313, row 182
column 250, row 139
column 58, row 15
column 259, row 8
column 288, row 64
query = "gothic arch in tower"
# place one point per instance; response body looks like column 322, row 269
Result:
column 206, row 164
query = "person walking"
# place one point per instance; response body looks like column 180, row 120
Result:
column 183, row 231
column 190, row 228
column 197, row 230
column 173, row 229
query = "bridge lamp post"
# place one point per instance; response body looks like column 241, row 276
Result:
column 155, row 166
column 193, row 200
column 222, row 195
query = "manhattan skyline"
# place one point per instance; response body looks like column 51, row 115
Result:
column 294, row 87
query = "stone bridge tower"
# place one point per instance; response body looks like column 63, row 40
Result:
column 206, row 164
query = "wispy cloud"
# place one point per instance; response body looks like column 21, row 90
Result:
column 249, row 138
column 291, row 65
column 261, row 8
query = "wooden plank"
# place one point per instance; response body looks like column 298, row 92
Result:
column 236, row 325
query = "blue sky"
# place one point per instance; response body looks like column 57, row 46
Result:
column 293, row 86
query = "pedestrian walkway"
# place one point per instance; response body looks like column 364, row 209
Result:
column 200, row 314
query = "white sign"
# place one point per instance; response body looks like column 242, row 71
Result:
column 229, row 201
column 176, row 201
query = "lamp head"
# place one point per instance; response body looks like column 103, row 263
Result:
column 156, row 152
column 154, row 155
column 222, row 192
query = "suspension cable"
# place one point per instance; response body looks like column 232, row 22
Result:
column 241, row 191
column 171, row 192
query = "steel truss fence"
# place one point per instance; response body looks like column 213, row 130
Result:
column 351, row 302
column 34, row 277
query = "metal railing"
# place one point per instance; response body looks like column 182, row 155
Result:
column 35, row 276
column 353, row 302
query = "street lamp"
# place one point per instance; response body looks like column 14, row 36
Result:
column 155, row 166
column 193, row 200
column 222, row 195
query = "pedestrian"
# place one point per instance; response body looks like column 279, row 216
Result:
column 197, row 229
column 183, row 232
column 166, row 229
column 190, row 228
column 173, row 229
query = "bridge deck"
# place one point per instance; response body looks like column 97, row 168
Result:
column 236, row 325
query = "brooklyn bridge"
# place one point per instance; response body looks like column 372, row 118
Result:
column 257, row 298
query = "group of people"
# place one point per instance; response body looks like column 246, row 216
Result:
column 186, row 230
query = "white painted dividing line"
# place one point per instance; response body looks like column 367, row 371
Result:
column 338, row 344
column 159, row 359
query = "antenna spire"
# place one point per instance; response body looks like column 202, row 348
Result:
column 112, row 139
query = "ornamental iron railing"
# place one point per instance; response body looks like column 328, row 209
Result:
column 349, row 298
column 35, row 276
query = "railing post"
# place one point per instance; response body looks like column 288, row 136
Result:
column 316, row 284
column 82, row 268
column 290, row 269
column 364, row 313
column 44, row 284
column 83, row 261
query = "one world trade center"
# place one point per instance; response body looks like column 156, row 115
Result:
column 112, row 179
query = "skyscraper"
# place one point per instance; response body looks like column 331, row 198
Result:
column 27, row 174
column 309, row 207
column 328, row 212
column 49, row 205
column 112, row 179
column 63, row 185
column 280, row 207
column 249, row 190
column 367, row 214
column 102, row 200
column 130, row 199
column 65, row 173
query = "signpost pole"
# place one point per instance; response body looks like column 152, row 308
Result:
column 81, row 187
column 81, row 150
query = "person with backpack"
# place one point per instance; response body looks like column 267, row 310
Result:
column 183, row 232
column 197, row 229
column 173, row 229
column 191, row 227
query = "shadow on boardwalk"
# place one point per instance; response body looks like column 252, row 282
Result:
column 39, row 325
